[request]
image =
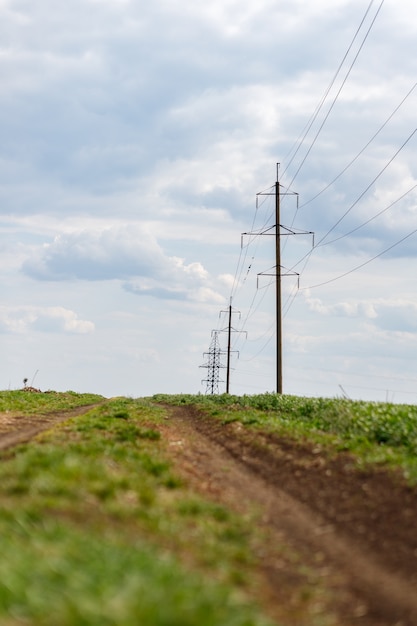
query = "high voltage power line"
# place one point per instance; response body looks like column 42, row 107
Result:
column 299, row 142
column 371, row 218
column 374, row 136
column 247, row 252
column 322, row 243
column 373, row 181
column 358, row 267
column 338, row 91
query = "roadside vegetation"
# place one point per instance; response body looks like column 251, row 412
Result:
column 96, row 528
column 28, row 403
column 375, row 432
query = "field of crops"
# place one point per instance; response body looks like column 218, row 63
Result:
column 375, row 432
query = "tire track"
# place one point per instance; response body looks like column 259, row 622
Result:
column 367, row 585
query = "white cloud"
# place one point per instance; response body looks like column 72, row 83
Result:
column 105, row 255
column 343, row 309
column 119, row 254
column 397, row 315
column 24, row 319
column 174, row 292
column 394, row 315
column 227, row 279
column 134, row 139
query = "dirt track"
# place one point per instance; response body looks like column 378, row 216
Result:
column 16, row 429
column 328, row 526
column 354, row 532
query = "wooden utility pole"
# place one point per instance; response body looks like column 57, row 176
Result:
column 229, row 339
column 278, row 283
column 278, row 231
column 230, row 330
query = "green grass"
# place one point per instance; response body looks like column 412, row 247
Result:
column 54, row 574
column 27, row 403
column 377, row 433
column 96, row 528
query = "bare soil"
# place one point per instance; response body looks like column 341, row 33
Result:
column 16, row 429
column 337, row 546
column 341, row 543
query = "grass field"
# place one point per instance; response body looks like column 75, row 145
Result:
column 381, row 433
column 97, row 529
column 26, row 403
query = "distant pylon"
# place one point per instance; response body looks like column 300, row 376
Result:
column 213, row 365
column 230, row 330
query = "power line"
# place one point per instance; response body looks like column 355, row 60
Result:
column 248, row 254
column 374, row 136
column 242, row 261
column 380, row 389
column 358, row 267
column 335, row 99
column 371, row 218
column 320, row 243
column 359, row 374
column 254, row 356
column 310, row 123
column 308, row 255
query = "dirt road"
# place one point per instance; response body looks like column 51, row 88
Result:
column 16, row 429
column 340, row 542
column 339, row 546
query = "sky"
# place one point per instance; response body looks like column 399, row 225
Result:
column 140, row 140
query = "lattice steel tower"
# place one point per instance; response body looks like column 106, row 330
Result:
column 213, row 365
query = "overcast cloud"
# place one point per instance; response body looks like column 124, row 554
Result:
column 135, row 137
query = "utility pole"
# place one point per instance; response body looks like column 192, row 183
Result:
column 278, row 230
column 229, row 340
column 278, row 283
column 229, row 330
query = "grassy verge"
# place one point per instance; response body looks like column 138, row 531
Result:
column 27, row 403
column 96, row 529
column 380, row 433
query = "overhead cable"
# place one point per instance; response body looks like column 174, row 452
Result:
column 358, row 267
column 313, row 118
column 371, row 218
column 333, row 103
column 320, row 243
column 361, row 151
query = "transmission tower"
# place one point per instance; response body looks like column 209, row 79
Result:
column 213, row 365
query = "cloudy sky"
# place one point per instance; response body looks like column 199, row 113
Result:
column 135, row 137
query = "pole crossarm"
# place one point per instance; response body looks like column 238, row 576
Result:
column 287, row 232
column 279, row 273
column 281, row 193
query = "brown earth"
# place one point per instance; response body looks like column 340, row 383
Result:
column 337, row 546
column 16, row 429
column 341, row 543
